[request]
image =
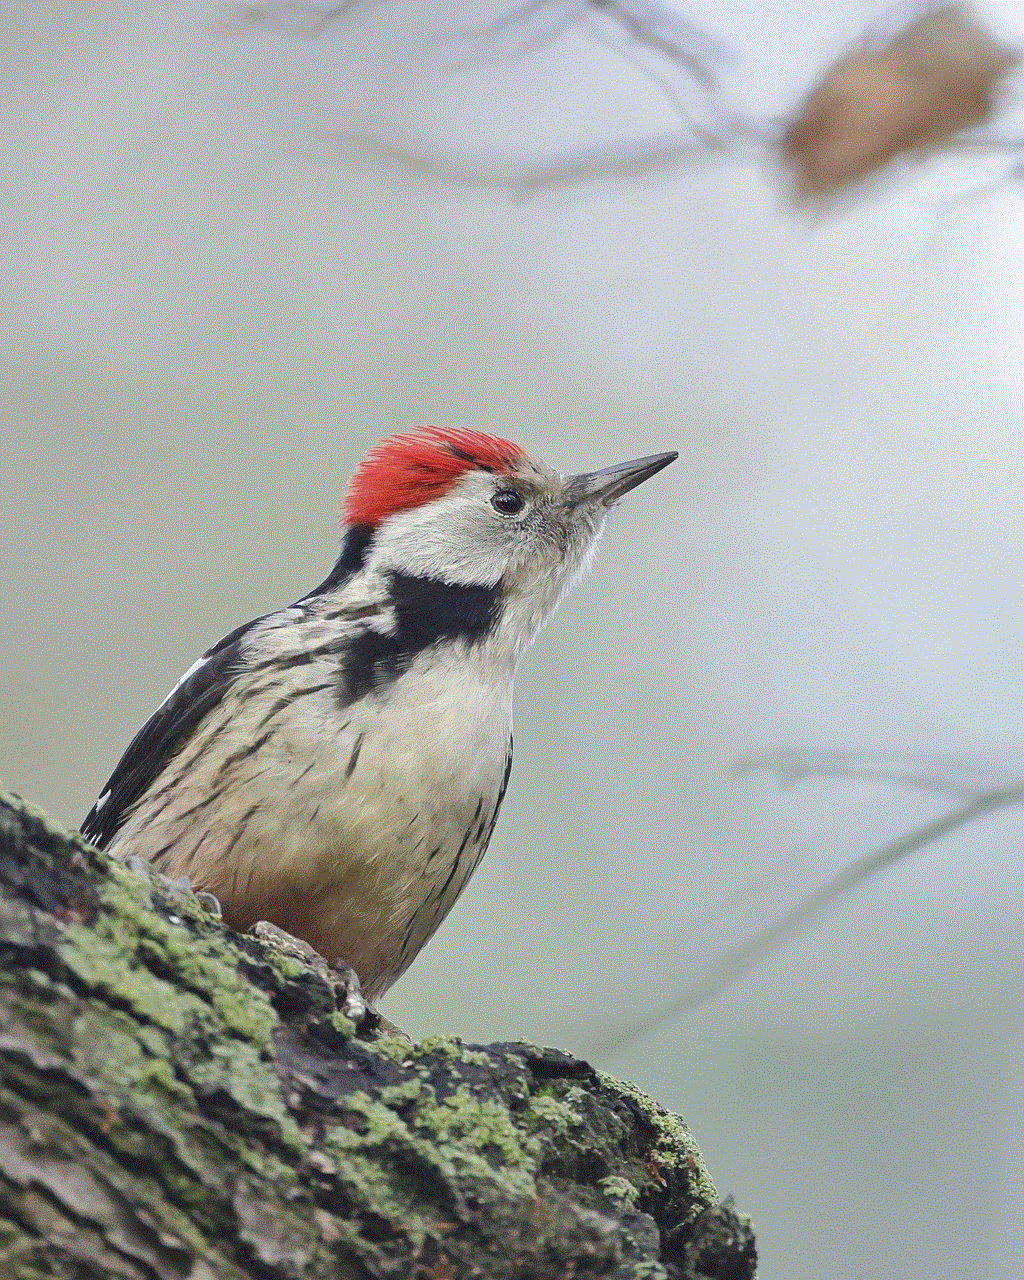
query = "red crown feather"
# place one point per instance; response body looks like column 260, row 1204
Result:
column 418, row 466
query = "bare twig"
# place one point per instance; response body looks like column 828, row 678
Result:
column 524, row 178
column 652, row 26
column 549, row 20
column 930, row 773
column 633, row 29
column 669, row 34
column 946, row 774
column 299, row 17
column 645, row 34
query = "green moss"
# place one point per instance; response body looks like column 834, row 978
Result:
column 674, row 1145
column 368, row 1122
column 420, row 1166
column 394, row 1048
column 115, row 956
column 106, row 1043
column 387, row 1170
column 33, row 1010
column 557, row 1114
column 205, row 969
column 343, row 1025
column 132, row 927
column 448, row 1049
column 234, row 1065
column 620, row 1191
column 647, row 1271
column 482, row 1126
column 96, row 959
column 237, row 1069
column 244, row 1011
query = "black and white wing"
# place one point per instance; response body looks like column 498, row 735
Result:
column 197, row 693
column 164, row 734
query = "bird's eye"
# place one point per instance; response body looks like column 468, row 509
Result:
column 507, row 502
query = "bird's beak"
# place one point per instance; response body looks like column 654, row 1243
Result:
column 609, row 484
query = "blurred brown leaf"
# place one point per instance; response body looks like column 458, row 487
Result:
column 936, row 77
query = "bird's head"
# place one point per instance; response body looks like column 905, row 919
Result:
column 473, row 510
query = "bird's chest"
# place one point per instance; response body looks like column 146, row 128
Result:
column 407, row 810
column 400, row 777
column 437, row 740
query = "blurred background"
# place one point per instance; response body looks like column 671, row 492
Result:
column 217, row 301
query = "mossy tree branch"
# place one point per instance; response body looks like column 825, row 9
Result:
column 178, row 1101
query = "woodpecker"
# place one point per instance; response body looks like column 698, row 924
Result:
column 336, row 767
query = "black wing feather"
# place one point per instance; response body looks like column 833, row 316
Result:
column 163, row 735
column 169, row 728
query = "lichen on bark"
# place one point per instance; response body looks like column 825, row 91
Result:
column 176, row 1100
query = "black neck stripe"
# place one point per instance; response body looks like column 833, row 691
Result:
column 428, row 612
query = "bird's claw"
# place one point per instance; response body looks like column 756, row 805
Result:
column 339, row 976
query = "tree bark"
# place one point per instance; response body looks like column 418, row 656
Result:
column 177, row 1101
